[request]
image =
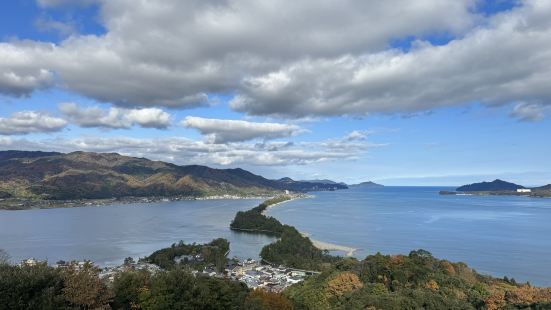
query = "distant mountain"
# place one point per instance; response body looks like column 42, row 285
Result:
column 81, row 175
column 368, row 184
column 313, row 184
column 496, row 185
column 24, row 154
column 324, row 181
column 542, row 191
column 543, row 188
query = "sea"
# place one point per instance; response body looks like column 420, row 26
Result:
column 496, row 235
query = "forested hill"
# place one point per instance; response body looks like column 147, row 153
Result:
column 496, row 185
column 368, row 184
column 86, row 175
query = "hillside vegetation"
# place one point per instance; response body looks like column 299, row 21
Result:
column 415, row 281
column 496, row 185
column 82, row 175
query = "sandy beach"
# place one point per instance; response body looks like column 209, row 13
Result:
column 334, row 247
column 317, row 243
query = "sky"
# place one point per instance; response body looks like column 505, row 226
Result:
column 427, row 92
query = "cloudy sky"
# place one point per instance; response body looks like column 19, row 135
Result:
column 425, row 92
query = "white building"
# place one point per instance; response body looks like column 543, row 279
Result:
column 524, row 190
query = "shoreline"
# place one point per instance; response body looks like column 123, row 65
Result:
column 296, row 197
column 321, row 245
column 20, row 204
column 326, row 246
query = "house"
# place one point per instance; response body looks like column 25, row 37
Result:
column 29, row 262
column 524, row 190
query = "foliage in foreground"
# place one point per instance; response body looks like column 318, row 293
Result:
column 44, row 287
column 416, row 281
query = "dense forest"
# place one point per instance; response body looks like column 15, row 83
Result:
column 416, row 281
column 213, row 253
column 254, row 220
column 297, row 251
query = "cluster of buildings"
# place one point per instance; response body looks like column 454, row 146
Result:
column 109, row 273
column 270, row 278
column 250, row 272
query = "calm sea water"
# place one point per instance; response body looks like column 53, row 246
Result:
column 496, row 235
column 108, row 234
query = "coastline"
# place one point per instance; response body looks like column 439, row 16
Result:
column 295, row 197
column 326, row 246
column 19, row 204
column 322, row 245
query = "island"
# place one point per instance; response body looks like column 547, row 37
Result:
column 368, row 184
column 500, row 187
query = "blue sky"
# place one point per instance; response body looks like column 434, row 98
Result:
column 418, row 101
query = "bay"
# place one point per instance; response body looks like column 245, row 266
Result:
column 108, row 234
column 497, row 235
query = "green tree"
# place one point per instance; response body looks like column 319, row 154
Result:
column 4, row 257
column 30, row 287
column 128, row 287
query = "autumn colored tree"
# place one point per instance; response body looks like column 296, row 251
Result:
column 343, row 283
column 83, row 288
column 263, row 300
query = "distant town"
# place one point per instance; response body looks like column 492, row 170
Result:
column 273, row 278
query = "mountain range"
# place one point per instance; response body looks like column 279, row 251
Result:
column 87, row 175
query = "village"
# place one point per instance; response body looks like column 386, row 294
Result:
column 251, row 272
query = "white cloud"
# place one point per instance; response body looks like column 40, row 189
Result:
column 25, row 122
column 223, row 131
column 528, row 111
column 357, row 135
column 173, row 53
column 186, row 151
column 505, row 61
column 115, row 117
column 22, row 70
column 318, row 58
column 47, row 24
